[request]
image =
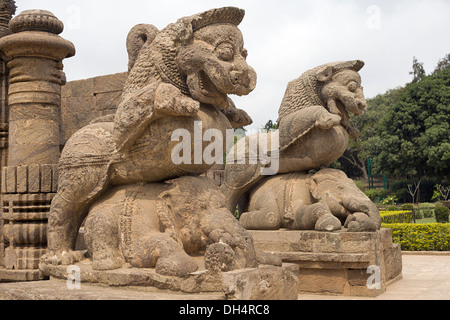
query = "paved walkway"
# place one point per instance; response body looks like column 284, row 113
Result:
column 425, row 277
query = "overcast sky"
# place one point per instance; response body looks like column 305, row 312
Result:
column 284, row 38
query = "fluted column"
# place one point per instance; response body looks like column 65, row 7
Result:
column 34, row 53
column 7, row 10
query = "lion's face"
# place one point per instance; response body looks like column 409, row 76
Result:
column 215, row 66
column 343, row 91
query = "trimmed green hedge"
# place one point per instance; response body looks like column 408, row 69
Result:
column 442, row 214
column 425, row 210
column 421, row 237
column 396, row 216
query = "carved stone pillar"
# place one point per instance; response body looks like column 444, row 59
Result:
column 34, row 54
column 7, row 10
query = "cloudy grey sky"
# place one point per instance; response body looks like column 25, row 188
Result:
column 284, row 38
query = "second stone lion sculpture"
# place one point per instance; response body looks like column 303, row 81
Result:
column 314, row 130
column 114, row 169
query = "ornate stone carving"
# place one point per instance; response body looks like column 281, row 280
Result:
column 36, row 20
column 157, row 225
column 33, row 53
column 300, row 201
column 313, row 132
column 34, row 92
column 7, row 10
column 141, row 208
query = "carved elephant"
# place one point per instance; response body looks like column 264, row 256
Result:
column 324, row 201
column 165, row 225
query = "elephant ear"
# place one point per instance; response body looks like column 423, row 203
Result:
column 314, row 189
column 138, row 36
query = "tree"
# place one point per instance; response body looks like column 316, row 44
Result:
column 354, row 160
column 443, row 64
column 405, row 131
column 412, row 190
column 270, row 126
column 413, row 135
column 418, row 72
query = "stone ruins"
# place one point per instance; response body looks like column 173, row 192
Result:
column 88, row 178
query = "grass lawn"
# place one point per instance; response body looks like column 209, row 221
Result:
column 426, row 220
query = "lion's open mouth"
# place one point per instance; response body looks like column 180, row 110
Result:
column 343, row 113
column 355, row 106
column 206, row 85
column 205, row 90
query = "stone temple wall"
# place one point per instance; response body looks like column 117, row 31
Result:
column 84, row 100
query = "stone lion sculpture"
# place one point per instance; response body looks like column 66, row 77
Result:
column 178, row 76
column 314, row 130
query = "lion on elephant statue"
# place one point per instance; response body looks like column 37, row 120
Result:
column 178, row 76
column 313, row 132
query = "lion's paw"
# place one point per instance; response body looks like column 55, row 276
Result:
column 187, row 107
column 327, row 120
column 169, row 100
column 237, row 117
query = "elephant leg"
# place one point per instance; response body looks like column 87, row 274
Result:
column 261, row 220
column 263, row 212
column 360, row 222
column 316, row 217
column 103, row 240
column 158, row 250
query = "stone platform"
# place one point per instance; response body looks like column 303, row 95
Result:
column 338, row 263
column 262, row 283
column 58, row 290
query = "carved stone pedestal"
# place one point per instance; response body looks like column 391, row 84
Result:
column 24, row 227
column 340, row 263
column 262, row 283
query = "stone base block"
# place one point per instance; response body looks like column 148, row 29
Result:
column 58, row 290
column 262, row 283
column 340, row 263
column 7, row 275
